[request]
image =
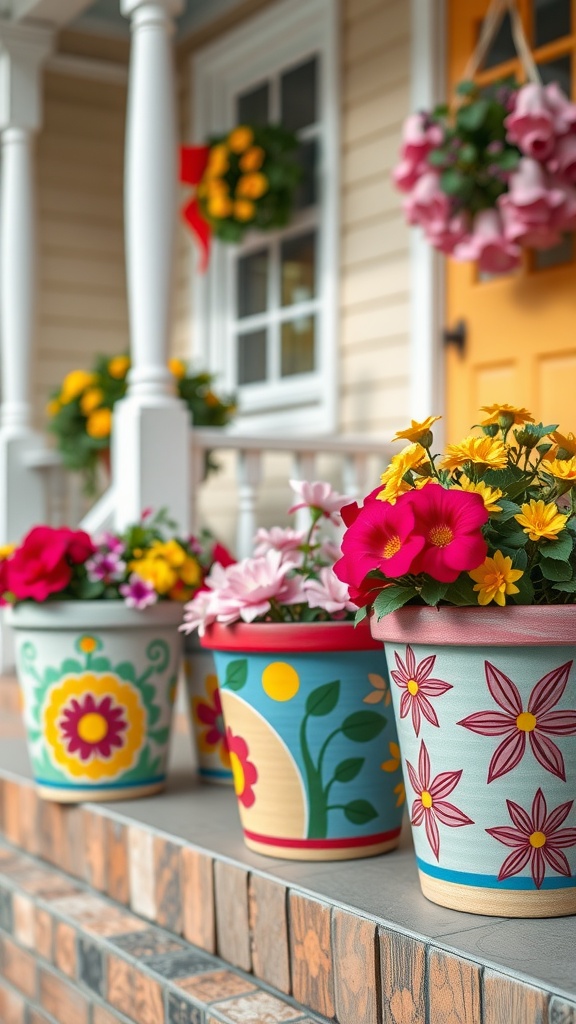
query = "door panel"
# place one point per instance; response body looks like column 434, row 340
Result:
column 521, row 327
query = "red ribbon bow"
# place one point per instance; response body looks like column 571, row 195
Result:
column 193, row 161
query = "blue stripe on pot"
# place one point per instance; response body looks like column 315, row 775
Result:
column 491, row 881
column 50, row 784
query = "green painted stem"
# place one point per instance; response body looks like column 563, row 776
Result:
column 318, row 816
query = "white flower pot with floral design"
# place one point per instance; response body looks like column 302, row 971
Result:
column 485, row 703
column 98, row 681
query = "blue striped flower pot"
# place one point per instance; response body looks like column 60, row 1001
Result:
column 485, row 701
column 98, row 681
column 205, row 711
column 312, row 742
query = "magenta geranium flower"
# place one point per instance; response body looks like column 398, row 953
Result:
column 430, row 803
column 105, row 567
column 450, row 524
column 537, row 839
column 138, row 593
column 415, row 681
column 101, row 737
column 515, row 724
column 381, row 536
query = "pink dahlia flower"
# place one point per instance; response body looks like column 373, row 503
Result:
column 287, row 541
column 488, row 245
column 252, row 584
column 320, row 496
column 449, row 524
column 532, row 125
column 530, row 207
column 328, row 593
column 381, row 537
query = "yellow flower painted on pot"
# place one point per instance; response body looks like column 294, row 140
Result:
column 74, row 384
column 99, row 423
column 94, row 726
column 505, row 416
column 118, row 367
column 563, row 469
column 88, row 644
column 400, row 791
column 240, row 139
column 253, row 159
column 541, row 521
column 392, row 765
column 177, row 367
column 252, row 186
column 495, row 578
column 416, row 431
column 483, row 451
column 91, row 399
column 488, row 494
column 244, row 210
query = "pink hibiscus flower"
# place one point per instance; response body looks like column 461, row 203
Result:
column 450, row 523
column 430, row 803
column 418, row 687
column 381, row 536
column 515, row 724
column 537, row 839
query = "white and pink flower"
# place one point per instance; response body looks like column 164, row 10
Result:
column 287, row 541
column 319, row 496
column 329, row 593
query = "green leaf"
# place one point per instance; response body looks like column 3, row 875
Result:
column 466, row 88
column 360, row 615
column 461, row 592
column 392, row 598
column 525, row 593
column 349, row 769
column 363, row 726
column 432, row 591
column 559, row 549
column 471, row 117
column 160, row 736
column 70, row 666
column 323, row 700
column 456, row 183
column 100, row 664
column 508, row 160
column 566, row 588
column 509, row 510
column 236, row 674
column 559, row 572
column 126, row 671
column 360, row 811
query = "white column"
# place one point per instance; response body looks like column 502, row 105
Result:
column 150, row 439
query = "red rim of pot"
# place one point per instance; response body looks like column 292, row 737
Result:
column 512, row 626
column 298, row 637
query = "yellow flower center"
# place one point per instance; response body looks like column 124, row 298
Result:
column 426, row 799
column 441, row 535
column 391, row 547
column 92, row 727
column 237, row 773
column 412, row 687
column 537, row 839
column 87, row 644
column 526, row 722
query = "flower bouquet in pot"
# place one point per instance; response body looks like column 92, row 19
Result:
column 97, row 653
column 466, row 563
column 313, row 751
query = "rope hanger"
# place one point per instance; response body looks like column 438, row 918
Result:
column 490, row 27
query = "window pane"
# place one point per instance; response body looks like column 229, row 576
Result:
column 563, row 253
column 252, row 360
column 559, row 70
column 551, row 20
column 298, row 96
column 298, row 270
column 253, row 107
column 253, row 283
column 298, row 346
column 307, row 191
column 502, row 47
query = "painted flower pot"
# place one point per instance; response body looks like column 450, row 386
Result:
column 485, row 702
column 313, row 746
column 98, row 681
column 205, row 708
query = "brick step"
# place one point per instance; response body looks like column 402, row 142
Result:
column 70, row 955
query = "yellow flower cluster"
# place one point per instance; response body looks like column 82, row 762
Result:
column 215, row 190
column 169, row 568
column 408, row 459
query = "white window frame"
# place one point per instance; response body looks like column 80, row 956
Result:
column 284, row 35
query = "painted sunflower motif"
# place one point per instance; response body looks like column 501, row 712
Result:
column 94, row 725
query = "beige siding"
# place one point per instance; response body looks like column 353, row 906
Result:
column 374, row 292
column 82, row 300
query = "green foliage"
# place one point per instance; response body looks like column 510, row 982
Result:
column 363, row 726
column 359, row 812
column 323, row 700
column 236, row 675
column 347, row 770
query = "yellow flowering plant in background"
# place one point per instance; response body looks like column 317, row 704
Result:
column 250, row 180
column 81, row 411
column 407, row 544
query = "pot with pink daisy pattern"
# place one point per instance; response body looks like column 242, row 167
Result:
column 205, row 710
column 312, row 739
column 98, row 681
column 485, row 702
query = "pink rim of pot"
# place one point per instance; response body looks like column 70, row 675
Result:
column 515, row 625
column 298, row 637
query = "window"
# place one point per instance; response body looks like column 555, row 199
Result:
column 265, row 313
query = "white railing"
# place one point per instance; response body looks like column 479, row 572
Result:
column 360, row 459
column 64, row 502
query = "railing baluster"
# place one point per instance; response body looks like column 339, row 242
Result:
column 304, row 469
column 197, row 475
column 249, row 476
column 355, row 474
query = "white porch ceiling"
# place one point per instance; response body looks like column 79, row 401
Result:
column 104, row 15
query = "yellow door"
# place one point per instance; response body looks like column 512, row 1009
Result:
column 520, row 342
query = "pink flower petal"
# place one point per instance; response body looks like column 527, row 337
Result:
column 559, row 723
column 503, row 690
column 405, row 702
column 521, row 819
column 547, row 754
column 508, row 836
column 514, row 863
column 539, row 811
column 444, row 783
column 549, row 689
column 433, row 834
column 416, row 716
column 556, row 817
column 410, row 663
column 417, row 812
column 424, row 668
column 489, row 723
column 424, row 766
column 450, row 815
column 414, row 780
column 538, row 867
column 434, row 687
column 507, row 755
column 557, row 860
column 427, row 710
column 565, row 837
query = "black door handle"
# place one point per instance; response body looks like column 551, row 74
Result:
column 456, row 335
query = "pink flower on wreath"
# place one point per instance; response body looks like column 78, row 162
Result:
column 488, row 245
column 430, row 803
column 380, row 536
column 537, row 839
column 450, row 523
column 532, row 125
column 532, row 207
column 415, row 681
column 563, row 160
column 318, row 495
column 514, row 723
column 427, row 205
column 454, row 232
column 562, row 109
column 419, row 137
column 244, row 773
column 75, row 737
